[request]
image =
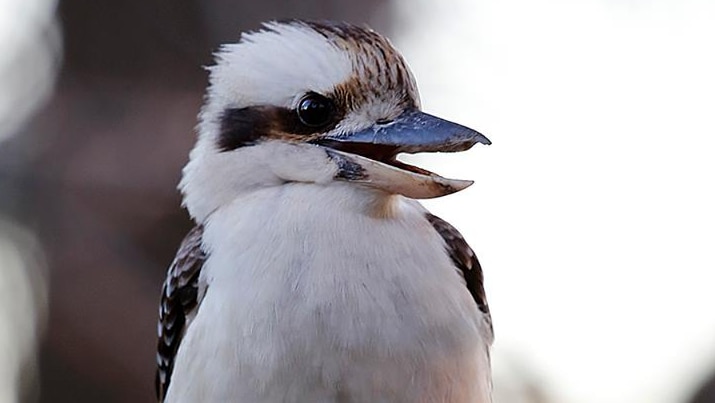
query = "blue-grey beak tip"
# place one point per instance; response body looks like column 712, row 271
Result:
column 430, row 133
column 481, row 139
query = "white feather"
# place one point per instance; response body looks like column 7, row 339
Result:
column 314, row 297
column 213, row 179
column 284, row 60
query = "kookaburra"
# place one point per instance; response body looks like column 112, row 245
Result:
column 313, row 274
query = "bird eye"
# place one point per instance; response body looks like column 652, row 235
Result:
column 315, row 110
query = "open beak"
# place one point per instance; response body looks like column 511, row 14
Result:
column 370, row 156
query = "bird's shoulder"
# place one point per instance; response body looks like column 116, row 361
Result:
column 179, row 300
column 465, row 261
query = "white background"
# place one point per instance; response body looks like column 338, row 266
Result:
column 592, row 212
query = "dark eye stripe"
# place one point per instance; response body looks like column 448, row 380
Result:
column 241, row 127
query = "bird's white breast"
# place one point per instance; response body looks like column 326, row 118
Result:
column 330, row 294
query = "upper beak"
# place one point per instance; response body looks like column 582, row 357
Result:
column 373, row 151
column 415, row 131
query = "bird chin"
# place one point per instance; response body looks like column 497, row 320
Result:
column 394, row 177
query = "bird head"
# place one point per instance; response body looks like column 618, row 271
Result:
column 322, row 103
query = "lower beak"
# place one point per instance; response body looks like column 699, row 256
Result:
column 369, row 156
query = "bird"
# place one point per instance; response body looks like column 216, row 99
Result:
column 312, row 272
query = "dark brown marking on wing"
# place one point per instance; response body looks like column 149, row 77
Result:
column 179, row 300
column 465, row 260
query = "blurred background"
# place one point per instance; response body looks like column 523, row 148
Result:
column 592, row 212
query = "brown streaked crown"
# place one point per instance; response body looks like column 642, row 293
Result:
column 379, row 68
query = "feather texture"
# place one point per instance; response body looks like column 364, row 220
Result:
column 319, row 294
column 179, row 301
column 465, row 260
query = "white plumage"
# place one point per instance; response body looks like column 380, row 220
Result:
column 308, row 279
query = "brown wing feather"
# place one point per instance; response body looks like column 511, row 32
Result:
column 179, row 300
column 466, row 261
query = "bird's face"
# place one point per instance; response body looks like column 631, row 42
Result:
column 314, row 103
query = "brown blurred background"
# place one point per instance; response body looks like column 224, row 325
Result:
column 94, row 174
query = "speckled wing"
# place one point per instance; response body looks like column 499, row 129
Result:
column 179, row 300
column 465, row 260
